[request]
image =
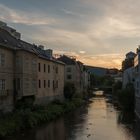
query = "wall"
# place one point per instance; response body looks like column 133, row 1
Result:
column 26, row 71
column 54, row 76
column 128, row 76
column 7, row 73
column 76, row 77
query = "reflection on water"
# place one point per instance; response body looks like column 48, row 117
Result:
column 98, row 120
column 98, row 93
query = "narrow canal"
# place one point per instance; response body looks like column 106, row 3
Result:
column 97, row 121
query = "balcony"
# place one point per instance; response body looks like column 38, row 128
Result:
column 3, row 93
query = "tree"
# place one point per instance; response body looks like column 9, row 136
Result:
column 69, row 90
column 127, row 97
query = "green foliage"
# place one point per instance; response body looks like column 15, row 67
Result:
column 25, row 102
column 30, row 117
column 107, row 81
column 127, row 97
column 117, row 87
column 102, row 80
column 69, row 90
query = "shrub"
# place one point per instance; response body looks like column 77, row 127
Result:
column 29, row 117
column 127, row 97
column 69, row 90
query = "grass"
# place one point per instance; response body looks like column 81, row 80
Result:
column 22, row 119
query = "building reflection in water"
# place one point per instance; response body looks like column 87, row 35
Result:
column 98, row 120
column 53, row 131
column 137, row 129
column 125, row 122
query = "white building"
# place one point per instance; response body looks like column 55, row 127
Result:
column 128, row 69
column 86, row 80
column 128, row 76
column 137, row 82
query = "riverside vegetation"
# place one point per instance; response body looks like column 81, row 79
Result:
column 126, row 96
column 22, row 119
column 26, row 115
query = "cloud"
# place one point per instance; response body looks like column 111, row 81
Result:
column 96, row 31
column 68, row 12
column 82, row 52
column 16, row 16
column 103, row 60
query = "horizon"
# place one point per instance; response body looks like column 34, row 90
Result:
column 98, row 33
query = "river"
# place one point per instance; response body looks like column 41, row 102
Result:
column 98, row 120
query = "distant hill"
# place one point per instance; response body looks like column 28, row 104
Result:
column 99, row 71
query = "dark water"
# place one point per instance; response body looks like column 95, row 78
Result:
column 97, row 121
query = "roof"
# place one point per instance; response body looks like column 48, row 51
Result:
column 67, row 60
column 99, row 71
column 7, row 40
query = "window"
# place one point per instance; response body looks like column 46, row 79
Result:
column 56, row 69
column 39, row 68
column 44, row 68
column 48, row 68
column 26, row 83
column 17, row 61
column 53, row 84
column 57, row 84
column 39, row 83
column 2, row 59
column 68, row 69
column 69, row 77
column 48, row 83
column 44, row 83
column 2, row 84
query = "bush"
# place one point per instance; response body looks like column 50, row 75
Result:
column 117, row 87
column 30, row 117
column 25, row 102
column 69, row 90
column 127, row 97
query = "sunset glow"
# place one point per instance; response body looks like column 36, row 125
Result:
column 98, row 32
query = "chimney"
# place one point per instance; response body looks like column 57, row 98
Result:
column 138, row 49
column 12, row 31
column 2, row 24
column 41, row 47
column 49, row 52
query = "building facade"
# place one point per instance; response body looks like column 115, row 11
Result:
column 128, row 76
column 27, row 70
column 86, row 78
column 75, row 73
column 6, row 78
column 129, row 61
column 50, row 79
column 137, row 82
column 128, row 70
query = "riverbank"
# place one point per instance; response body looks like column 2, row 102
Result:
column 94, row 121
column 27, row 118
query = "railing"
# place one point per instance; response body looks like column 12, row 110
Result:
column 3, row 93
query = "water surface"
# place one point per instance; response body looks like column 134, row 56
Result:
column 97, row 121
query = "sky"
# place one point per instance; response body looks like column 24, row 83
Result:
column 97, row 32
